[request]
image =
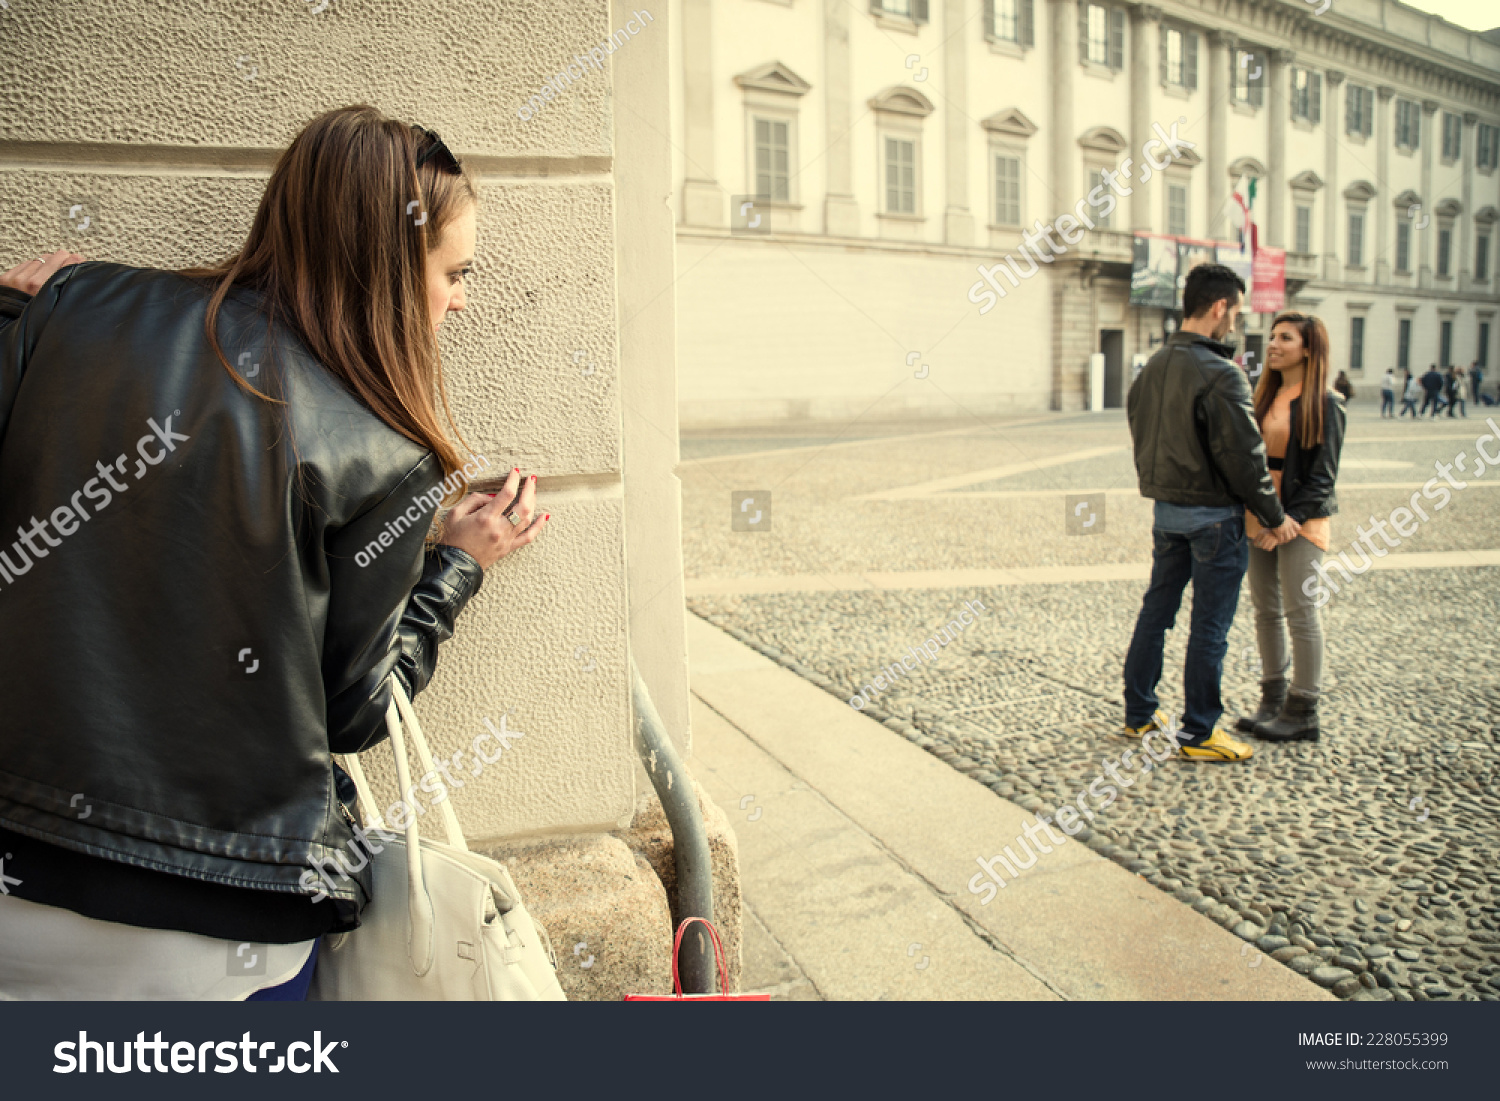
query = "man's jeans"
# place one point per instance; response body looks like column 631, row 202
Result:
column 1215, row 559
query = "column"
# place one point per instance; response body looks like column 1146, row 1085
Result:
column 1465, row 228
column 702, row 198
column 1064, row 60
column 1333, row 119
column 1144, row 24
column 958, row 223
column 1425, row 235
column 840, row 209
column 1380, row 207
column 1278, row 106
column 1221, row 45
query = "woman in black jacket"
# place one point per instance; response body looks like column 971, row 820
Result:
column 223, row 481
column 1302, row 421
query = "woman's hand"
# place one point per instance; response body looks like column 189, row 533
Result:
column 1265, row 541
column 30, row 276
column 477, row 524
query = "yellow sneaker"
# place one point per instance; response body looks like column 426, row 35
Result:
column 1218, row 746
column 1159, row 721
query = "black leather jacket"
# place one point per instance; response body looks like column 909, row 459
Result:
column 1196, row 440
column 1307, row 476
column 185, row 632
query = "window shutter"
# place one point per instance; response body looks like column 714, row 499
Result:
column 1161, row 43
column 1083, row 32
column 1315, row 97
column 1116, row 38
column 1352, row 122
column 1189, row 60
column 989, row 18
column 1258, row 85
column 1367, row 116
column 919, row 11
column 1414, row 113
column 1292, row 74
column 1025, row 31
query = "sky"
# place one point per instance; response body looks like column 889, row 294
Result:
column 1476, row 15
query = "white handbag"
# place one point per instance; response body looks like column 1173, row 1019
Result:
column 444, row 923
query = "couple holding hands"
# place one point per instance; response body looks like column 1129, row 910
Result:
column 1242, row 483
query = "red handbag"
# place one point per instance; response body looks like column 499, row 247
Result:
column 719, row 957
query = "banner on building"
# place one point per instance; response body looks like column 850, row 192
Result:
column 1189, row 255
column 1268, row 291
column 1237, row 260
column 1153, row 272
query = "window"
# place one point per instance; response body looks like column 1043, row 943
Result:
column 1101, row 220
column 1482, row 257
column 772, row 160
column 1359, row 112
column 915, row 10
column 1484, row 344
column 1179, row 58
column 1403, row 343
column 1356, row 344
column 1408, row 124
column 1304, row 228
column 1011, row 21
column 1307, row 95
column 1445, row 250
column 1356, row 238
column 1487, row 146
column 900, row 176
column 1101, row 35
column 1177, row 209
column 1249, row 77
column 1007, row 190
column 1453, row 132
column 1403, row 246
column 1445, row 345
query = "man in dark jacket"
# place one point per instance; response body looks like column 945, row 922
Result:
column 1200, row 456
column 1432, row 382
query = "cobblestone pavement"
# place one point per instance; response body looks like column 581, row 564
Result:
column 1366, row 861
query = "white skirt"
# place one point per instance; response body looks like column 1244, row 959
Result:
column 48, row 953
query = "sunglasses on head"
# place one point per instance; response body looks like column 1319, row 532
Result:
column 434, row 149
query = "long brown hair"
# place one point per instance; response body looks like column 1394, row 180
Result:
column 335, row 251
column 1314, row 377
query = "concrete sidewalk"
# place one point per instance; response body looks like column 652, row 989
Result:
column 856, row 848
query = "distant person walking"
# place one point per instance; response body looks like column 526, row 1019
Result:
column 1432, row 383
column 1476, row 381
column 1344, row 386
column 1458, row 392
column 1200, row 456
column 1388, row 394
column 1409, row 395
column 1303, row 425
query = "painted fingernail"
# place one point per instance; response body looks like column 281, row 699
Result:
column 547, row 517
column 533, row 477
column 516, row 469
column 489, row 494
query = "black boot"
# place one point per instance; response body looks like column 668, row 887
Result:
column 1272, row 698
column 1298, row 721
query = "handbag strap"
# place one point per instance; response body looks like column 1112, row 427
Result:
column 720, row 955
column 424, row 755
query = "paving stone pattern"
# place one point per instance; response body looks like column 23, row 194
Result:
column 1365, row 861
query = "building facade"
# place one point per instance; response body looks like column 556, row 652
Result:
column 848, row 171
